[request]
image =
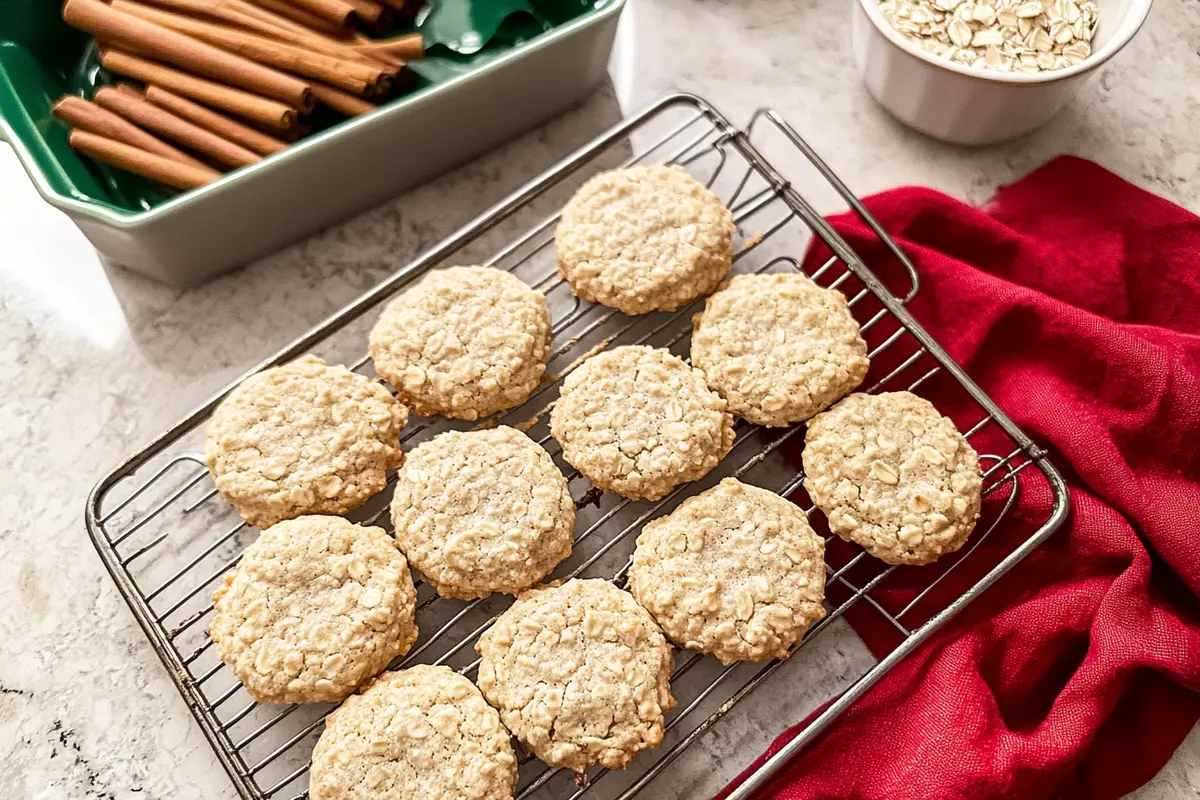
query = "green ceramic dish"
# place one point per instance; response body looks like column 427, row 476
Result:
column 531, row 67
column 41, row 59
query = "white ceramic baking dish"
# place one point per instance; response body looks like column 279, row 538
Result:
column 335, row 174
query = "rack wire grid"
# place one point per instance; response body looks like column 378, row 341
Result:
column 167, row 539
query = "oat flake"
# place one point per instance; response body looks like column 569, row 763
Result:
column 1003, row 35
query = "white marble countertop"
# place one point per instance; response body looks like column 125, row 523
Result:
column 95, row 362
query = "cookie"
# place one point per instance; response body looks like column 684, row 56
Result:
column 778, row 347
column 483, row 511
column 465, row 342
column 304, row 438
column 894, row 476
column 579, row 673
column 639, row 421
column 423, row 732
column 644, row 239
column 316, row 606
column 735, row 571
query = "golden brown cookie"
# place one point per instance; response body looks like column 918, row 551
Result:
column 580, row 673
column 894, row 476
column 424, row 733
column 304, row 438
column 465, row 342
column 639, row 421
column 644, row 239
column 779, row 348
column 483, row 511
column 316, row 606
column 736, row 571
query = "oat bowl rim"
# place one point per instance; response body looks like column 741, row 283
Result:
column 1127, row 26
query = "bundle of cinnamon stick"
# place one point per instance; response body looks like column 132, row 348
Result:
column 225, row 83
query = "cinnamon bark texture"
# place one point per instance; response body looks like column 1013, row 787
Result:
column 338, row 12
column 171, row 47
column 340, row 101
column 345, row 74
column 236, row 101
column 175, row 174
column 219, row 124
column 301, row 17
column 138, row 109
column 222, row 84
column 79, row 113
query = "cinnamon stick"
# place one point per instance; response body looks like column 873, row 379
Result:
column 314, row 40
column 164, row 123
column 369, row 48
column 222, row 11
column 349, row 75
column 268, row 24
column 394, row 5
column 219, row 124
column 302, row 17
column 368, row 11
column 409, row 47
column 79, row 113
column 314, row 33
column 294, row 133
column 342, row 102
column 165, row 45
column 235, row 101
column 394, row 63
column 141, row 162
column 338, row 12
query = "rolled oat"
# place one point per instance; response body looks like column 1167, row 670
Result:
column 1003, row 35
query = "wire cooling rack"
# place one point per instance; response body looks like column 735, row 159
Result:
column 167, row 539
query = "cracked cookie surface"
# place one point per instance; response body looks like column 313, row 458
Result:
column 894, row 476
column 423, row 732
column 303, row 438
column 639, row 421
column 484, row 511
column 464, row 342
column 315, row 607
column 736, row 571
column 644, row 239
column 580, row 673
column 779, row 348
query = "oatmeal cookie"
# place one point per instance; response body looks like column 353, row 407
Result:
column 639, row 421
column 465, row 342
column 736, row 572
column 894, row 476
column 304, row 438
column 484, row 511
column 779, row 348
column 316, row 606
column 424, row 732
column 644, row 239
column 580, row 674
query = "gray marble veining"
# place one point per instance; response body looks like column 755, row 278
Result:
column 94, row 361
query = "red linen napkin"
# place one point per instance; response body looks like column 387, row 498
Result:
column 1073, row 299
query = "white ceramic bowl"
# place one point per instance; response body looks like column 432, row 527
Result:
column 969, row 105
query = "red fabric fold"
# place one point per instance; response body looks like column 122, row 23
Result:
column 1073, row 299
